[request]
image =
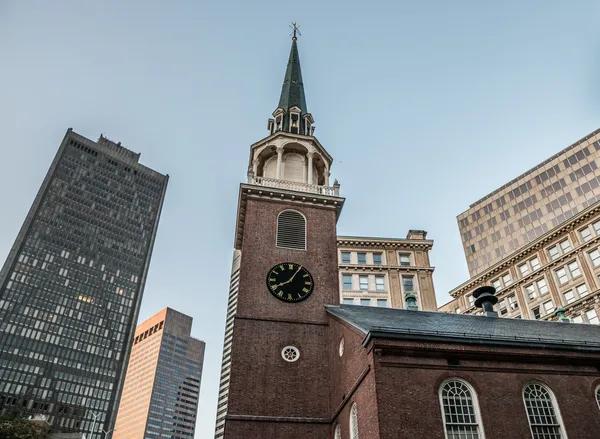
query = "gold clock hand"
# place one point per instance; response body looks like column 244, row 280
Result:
column 291, row 278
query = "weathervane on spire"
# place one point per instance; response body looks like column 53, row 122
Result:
column 296, row 28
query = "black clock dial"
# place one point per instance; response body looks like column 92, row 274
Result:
column 290, row 282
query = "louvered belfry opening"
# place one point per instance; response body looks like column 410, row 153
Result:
column 291, row 230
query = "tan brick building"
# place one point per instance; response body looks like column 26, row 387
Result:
column 532, row 204
column 559, row 269
column 162, row 385
column 381, row 271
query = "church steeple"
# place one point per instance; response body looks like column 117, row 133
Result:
column 291, row 114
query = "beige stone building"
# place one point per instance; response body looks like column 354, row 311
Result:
column 381, row 271
column 162, row 385
column 561, row 268
column 529, row 206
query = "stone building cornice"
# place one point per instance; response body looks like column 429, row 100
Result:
column 534, row 246
column 383, row 243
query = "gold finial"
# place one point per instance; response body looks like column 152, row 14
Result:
column 296, row 28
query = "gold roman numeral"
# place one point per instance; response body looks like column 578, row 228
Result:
column 272, row 279
column 305, row 275
column 274, row 287
column 291, row 266
column 282, row 267
column 290, row 297
column 308, row 282
column 280, row 294
column 306, row 290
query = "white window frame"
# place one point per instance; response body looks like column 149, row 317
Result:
column 380, row 254
column 559, row 248
column 400, row 254
column 569, row 272
column 597, row 394
column 351, row 282
column 353, row 421
column 342, row 257
column 474, row 401
column 338, row 432
column 360, row 283
column 555, row 407
column 536, row 289
column 597, row 250
column 382, row 277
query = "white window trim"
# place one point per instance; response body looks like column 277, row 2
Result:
column 305, row 230
column 597, row 395
column 338, row 432
column 352, row 423
column 475, row 400
column 561, row 425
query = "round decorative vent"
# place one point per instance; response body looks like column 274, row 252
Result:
column 341, row 349
column 290, row 354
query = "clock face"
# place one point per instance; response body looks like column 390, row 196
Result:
column 290, row 282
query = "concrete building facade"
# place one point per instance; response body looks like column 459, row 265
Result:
column 532, row 204
column 71, row 287
column 381, row 271
column 162, row 386
column 560, row 269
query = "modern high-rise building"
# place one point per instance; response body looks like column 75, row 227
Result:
column 530, row 205
column 160, row 395
column 71, row 287
column 382, row 271
column 226, row 361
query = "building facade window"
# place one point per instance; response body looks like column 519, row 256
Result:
column 567, row 273
column 377, row 259
column 559, row 249
column 354, row 422
column 460, row 411
column 291, row 230
column 346, row 257
column 347, row 281
column 592, row 317
column 537, row 288
column 382, row 303
column 362, row 258
column 365, row 302
column 576, row 293
column 595, row 257
column 379, row 283
column 338, row 432
column 404, row 259
column 544, row 419
column 348, row 301
column 363, row 282
column 408, row 284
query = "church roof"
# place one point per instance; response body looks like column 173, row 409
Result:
column 458, row 328
column 292, row 92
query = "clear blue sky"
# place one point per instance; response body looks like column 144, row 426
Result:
column 425, row 106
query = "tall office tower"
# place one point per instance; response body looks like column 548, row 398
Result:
column 382, row 271
column 160, row 395
column 71, row 287
column 226, row 361
column 530, row 205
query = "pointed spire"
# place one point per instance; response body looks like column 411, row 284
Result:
column 292, row 92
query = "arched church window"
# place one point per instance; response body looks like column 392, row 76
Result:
column 338, row 432
column 293, row 167
column 291, row 230
column 354, row 422
column 544, row 419
column 461, row 417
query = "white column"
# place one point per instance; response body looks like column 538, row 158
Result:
column 279, row 157
column 310, row 167
column 326, row 172
column 255, row 167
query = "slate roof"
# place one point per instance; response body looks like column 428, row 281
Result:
column 399, row 323
column 292, row 91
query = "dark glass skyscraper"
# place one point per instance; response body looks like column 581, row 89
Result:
column 71, row 287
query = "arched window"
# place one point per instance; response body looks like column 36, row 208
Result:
column 291, row 230
column 544, row 419
column 598, row 396
column 461, row 414
column 338, row 432
column 354, row 422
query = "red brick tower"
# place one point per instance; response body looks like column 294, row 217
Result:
column 286, row 231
